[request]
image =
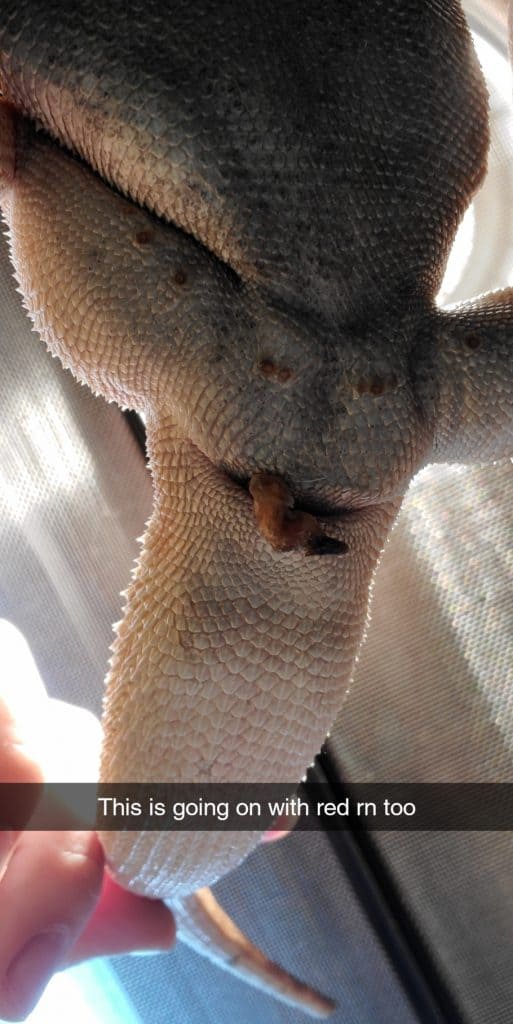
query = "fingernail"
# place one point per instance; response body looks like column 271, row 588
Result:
column 33, row 966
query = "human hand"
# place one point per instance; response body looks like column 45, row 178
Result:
column 58, row 903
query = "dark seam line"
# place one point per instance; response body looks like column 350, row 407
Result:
column 380, row 898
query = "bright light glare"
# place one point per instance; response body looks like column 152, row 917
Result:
column 87, row 994
column 47, row 451
column 496, row 68
column 459, row 256
column 497, row 72
column 64, row 739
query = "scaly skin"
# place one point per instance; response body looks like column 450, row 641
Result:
column 313, row 169
column 228, row 648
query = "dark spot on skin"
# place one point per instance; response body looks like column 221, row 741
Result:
column 219, row 353
column 144, row 237
column 272, row 371
column 180, row 277
column 473, row 340
column 202, row 191
column 370, row 386
column 94, row 257
column 376, row 386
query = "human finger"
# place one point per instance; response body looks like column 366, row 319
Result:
column 280, row 828
column 17, row 765
column 123, row 923
column 49, row 890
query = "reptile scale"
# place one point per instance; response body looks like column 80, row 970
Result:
column 235, row 220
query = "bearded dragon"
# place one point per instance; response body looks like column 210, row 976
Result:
column 236, row 222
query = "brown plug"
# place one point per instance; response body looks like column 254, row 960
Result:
column 283, row 526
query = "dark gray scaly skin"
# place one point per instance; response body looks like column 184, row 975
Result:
column 313, row 165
